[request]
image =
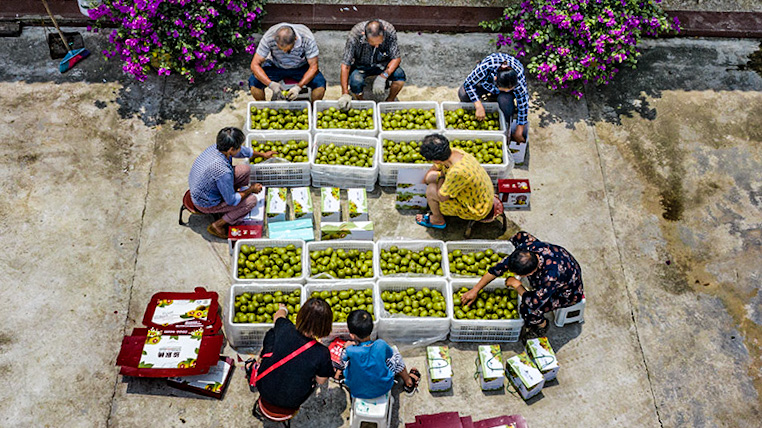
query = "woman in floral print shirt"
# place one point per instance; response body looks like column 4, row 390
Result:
column 553, row 273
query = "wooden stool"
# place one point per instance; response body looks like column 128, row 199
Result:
column 497, row 212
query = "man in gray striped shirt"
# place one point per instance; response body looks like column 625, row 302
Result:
column 286, row 51
column 371, row 50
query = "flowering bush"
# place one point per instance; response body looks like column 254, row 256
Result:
column 574, row 42
column 189, row 37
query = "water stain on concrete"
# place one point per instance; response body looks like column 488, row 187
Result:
column 755, row 61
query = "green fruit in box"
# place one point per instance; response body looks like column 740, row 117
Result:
column 270, row 262
column 466, row 119
column 408, row 119
column 260, row 307
column 352, row 119
column 495, row 304
column 430, row 303
column 342, row 263
column 345, row 301
column 403, row 261
column 278, row 119
column 291, row 150
column 474, row 263
column 486, row 152
column 332, row 154
column 402, row 151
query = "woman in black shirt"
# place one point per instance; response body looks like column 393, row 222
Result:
column 285, row 388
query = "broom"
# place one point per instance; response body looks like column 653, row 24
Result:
column 72, row 56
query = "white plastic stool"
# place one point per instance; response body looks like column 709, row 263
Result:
column 305, row 94
column 375, row 410
column 574, row 313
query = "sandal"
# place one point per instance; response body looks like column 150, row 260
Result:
column 213, row 232
column 416, row 376
column 426, row 222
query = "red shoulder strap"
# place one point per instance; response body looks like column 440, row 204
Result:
column 286, row 359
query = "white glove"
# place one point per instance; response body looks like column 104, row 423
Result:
column 379, row 85
column 293, row 92
column 276, row 88
column 344, row 101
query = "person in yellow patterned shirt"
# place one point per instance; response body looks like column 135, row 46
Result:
column 457, row 184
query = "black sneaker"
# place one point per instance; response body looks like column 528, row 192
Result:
column 533, row 332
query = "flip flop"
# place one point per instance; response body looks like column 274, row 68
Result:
column 215, row 233
column 426, row 222
column 416, row 376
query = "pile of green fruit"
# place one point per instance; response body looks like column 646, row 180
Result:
column 402, row 151
column 483, row 151
column 497, row 304
column 415, row 303
column 342, row 263
column 413, row 118
column 345, row 301
column 291, row 150
column 474, row 263
column 270, row 118
column 260, row 307
column 352, row 119
column 269, row 262
column 332, row 154
column 466, row 119
column 401, row 260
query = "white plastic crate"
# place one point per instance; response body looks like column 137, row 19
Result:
column 288, row 105
column 387, row 171
column 250, row 335
column 321, row 105
column 495, row 171
column 342, row 176
column 344, row 245
column 264, row 243
column 470, row 246
column 409, row 329
column 488, row 108
column 413, row 245
column 273, row 173
column 340, row 329
column 386, row 107
column 483, row 331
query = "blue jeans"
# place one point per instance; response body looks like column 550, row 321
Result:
column 505, row 100
column 276, row 74
column 357, row 77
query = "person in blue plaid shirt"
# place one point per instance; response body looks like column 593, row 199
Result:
column 499, row 76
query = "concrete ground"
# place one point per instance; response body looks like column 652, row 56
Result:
column 651, row 182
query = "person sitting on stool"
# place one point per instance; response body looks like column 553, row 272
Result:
column 499, row 77
column 457, row 184
column 371, row 50
column 553, row 273
column 286, row 51
column 218, row 188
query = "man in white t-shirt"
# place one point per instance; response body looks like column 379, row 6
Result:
column 286, row 51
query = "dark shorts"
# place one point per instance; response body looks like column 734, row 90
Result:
column 357, row 77
column 277, row 74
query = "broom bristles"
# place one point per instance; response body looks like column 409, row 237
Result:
column 72, row 58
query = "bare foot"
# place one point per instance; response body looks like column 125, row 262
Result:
column 432, row 219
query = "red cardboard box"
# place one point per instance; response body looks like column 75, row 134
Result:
column 514, row 193
column 242, row 232
column 183, row 337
